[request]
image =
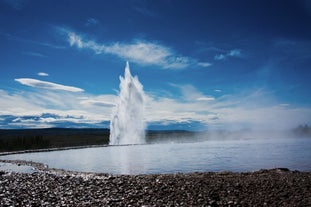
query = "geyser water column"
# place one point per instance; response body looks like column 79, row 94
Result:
column 127, row 124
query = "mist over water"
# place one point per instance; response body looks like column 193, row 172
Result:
column 127, row 124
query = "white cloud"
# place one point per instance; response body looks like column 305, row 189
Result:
column 17, row 104
column 231, row 53
column 204, row 64
column 230, row 112
column 67, row 107
column 42, row 74
column 253, row 109
column 47, row 85
column 138, row 51
column 235, row 53
column 190, row 93
column 76, row 40
column 220, row 57
column 205, row 98
column 101, row 101
column 142, row 52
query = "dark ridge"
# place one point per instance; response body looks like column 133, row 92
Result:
column 27, row 139
column 32, row 139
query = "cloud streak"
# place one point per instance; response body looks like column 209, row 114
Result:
column 47, row 85
column 42, row 74
column 29, row 41
column 138, row 51
column 35, row 54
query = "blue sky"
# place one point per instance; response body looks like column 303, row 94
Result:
column 203, row 64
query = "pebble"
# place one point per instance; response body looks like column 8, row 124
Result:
column 51, row 187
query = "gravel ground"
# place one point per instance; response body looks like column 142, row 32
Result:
column 51, row 187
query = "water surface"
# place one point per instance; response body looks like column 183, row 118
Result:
column 10, row 167
column 229, row 155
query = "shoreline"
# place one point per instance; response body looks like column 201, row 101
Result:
column 50, row 149
column 39, row 167
column 57, row 187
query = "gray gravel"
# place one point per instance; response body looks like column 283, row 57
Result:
column 276, row 187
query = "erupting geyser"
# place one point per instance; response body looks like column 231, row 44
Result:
column 127, row 124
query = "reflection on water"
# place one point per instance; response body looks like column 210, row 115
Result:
column 233, row 155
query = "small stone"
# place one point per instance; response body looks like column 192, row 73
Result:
column 230, row 202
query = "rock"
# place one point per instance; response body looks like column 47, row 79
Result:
column 282, row 170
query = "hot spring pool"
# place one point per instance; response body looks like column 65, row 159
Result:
column 230, row 155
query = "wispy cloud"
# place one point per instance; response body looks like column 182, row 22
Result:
column 190, row 93
column 234, row 53
column 231, row 53
column 138, row 51
column 220, row 57
column 100, row 100
column 42, row 74
column 35, row 54
column 26, row 40
column 47, row 85
column 204, row 64
column 142, row 52
column 91, row 22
